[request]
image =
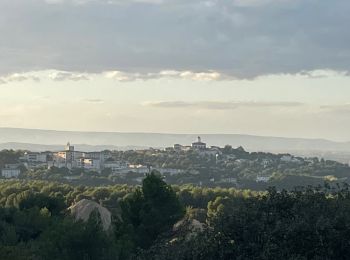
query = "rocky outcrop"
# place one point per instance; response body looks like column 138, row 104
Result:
column 83, row 209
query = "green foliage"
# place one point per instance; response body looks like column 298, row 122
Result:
column 9, row 156
column 309, row 223
column 55, row 205
column 150, row 211
column 70, row 240
column 304, row 223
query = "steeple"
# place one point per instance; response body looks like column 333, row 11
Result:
column 69, row 147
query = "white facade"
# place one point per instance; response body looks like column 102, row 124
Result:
column 70, row 158
column 229, row 180
column 289, row 158
column 116, row 166
column 199, row 145
column 11, row 171
column 179, row 147
column 169, row 171
column 35, row 157
column 263, row 178
column 138, row 168
column 57, row 163
column 266, row 162
column 88, row 164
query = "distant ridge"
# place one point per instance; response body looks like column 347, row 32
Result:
column 33, row 139
column 78, row 147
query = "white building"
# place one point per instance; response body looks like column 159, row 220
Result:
column 290, row 159
column 266, row 163
column 263, row 178
column 199, row 145
column 138, row 168
column 65, row 158
column 169, row 171
column 88, row 164
column 179, row 148
column 35, row 157
column 116, row 166
column 59, row 163
column 11, row 171
column 70, row 158
column 229, row 180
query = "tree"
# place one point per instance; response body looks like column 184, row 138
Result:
column 68, row 240
column 39, row 200
column 150, row 211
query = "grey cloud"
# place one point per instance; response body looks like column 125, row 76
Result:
column 220, row 105
column 238, row 38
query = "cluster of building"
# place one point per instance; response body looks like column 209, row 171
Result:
column 98, row 161
column 198, row 146
column 68, row 158
column 95, row 161
column 71, row 159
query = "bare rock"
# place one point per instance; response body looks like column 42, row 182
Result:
column 83, row 209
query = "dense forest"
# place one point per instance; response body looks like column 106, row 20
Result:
column 159, row 221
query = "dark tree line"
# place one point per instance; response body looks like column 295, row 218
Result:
column 158, row 221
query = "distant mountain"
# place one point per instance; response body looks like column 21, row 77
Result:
column 78, row 147
column 33, row 139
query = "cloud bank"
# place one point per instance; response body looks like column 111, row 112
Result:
column 237, row 38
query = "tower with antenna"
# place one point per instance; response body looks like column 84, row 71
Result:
column 69, row 148
column 199, row 145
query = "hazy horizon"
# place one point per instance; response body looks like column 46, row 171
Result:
column 173, row 133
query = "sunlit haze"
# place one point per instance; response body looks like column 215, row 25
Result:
column 248, row 67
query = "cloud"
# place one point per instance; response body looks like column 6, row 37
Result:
column 64, row 75
column 239, row 38
column 189, row 75
column 18, row 77
column 220, row 105
column 323, row 73
column 122, row 76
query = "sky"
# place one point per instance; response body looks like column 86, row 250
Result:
column 261, row 67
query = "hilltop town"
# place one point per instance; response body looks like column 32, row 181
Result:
column 196, row 164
